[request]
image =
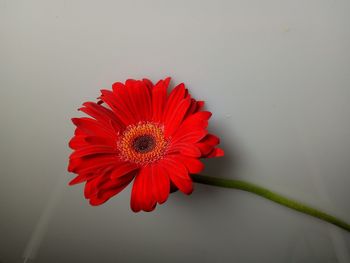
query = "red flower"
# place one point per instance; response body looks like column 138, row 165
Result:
column 138, row 132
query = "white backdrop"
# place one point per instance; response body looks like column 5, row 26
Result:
column 276, row 76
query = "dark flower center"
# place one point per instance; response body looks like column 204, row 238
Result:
column 144, row 143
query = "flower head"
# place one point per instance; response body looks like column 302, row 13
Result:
column 137, row 132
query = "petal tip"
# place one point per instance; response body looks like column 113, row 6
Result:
column 217, row 152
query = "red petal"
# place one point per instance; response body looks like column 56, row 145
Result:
column 148, row 83
column 116, row 86
column 204, row 148
column 79, row 179
column 94, row 185
column 97, row 140
column 91, row 150
column 192, row 108
column 73, row 163
column 217, row 152
column 91, row 186
column 122, row 169
column 101, row 114
column 175, row 97
column 159, row 93
column 77, row 142
column 161, row 184
column 175, row 117
column 79, row 132
column 195, row 123
column 96, row 165
column 140, row 98
column 186, row 149
column 195, row 107
column 91, row 127
column 77, row 164
column 193, row 165
column 109, row 189
column 211, row 139
column 142, row 195
column 207, row 144
column 120, row 103
column 178, row 174
column 189, row 137
column 200, row 105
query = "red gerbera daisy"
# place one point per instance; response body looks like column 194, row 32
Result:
column 138, row 132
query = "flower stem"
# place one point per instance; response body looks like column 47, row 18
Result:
column 275, row 197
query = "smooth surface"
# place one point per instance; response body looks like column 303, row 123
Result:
column 276, row 75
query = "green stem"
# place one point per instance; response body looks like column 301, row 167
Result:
column 275, row 197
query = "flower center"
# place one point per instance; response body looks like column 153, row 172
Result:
column 142, row 143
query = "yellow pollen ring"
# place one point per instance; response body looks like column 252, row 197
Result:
column 142, row 143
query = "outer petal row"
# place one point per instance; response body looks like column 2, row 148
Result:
column 152, row 184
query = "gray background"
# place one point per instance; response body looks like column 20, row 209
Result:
column 274, row 73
